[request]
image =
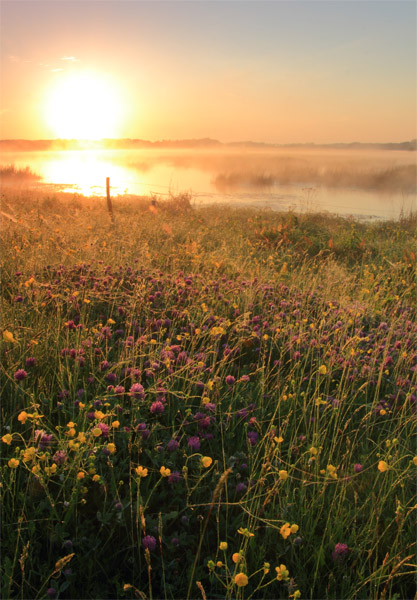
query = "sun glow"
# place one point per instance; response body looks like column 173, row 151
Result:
column 84, row 106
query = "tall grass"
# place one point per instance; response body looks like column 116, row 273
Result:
column 206, row 403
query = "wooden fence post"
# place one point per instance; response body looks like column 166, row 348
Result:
column 109, row 204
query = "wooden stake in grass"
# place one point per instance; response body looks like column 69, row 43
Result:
column 109, row 204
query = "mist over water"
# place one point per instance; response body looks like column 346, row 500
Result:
column 376, row 183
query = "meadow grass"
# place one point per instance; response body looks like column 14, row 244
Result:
column 205, row 403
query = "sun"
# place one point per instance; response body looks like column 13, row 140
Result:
column 84, row 106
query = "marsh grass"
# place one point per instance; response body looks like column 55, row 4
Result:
column 205, row 403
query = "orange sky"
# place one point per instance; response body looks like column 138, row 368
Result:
column 284, row 71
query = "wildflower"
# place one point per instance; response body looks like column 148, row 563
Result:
column 296, row 595
column 313, row 451
column 51, row 470
column 81, row 437
column 283, row 475
column 137, row 391
column 30, row 362
column 175, row 477
column 194, row 443
column 157, row 407
column 230, row 380
column 60, row 457
column 7, row 439
column 206, row 461
column 241, row 580
column 294, row 528
column 357, row 468
column 252, row 437
column 285, row 531
column 96, row 432
column 332, row 471
column 80, row 475
column 266, row 568
column 322, row 369
column 241, row 488
column 383, row 466
column 165, row 472
column 13, row 463
column 96, row 478
column 8, row 336
column 111, row 448
column 282, row 573
column 149, row 542
column 245, row 532
column 414, row 460
column 172, row 445
column 115, row 424
column 20, row 375
column 29, row 454
column 98, row 414
column 141, row 471
column 236, row 557
column 223, row 546
column 339, row 552
column 104, row 429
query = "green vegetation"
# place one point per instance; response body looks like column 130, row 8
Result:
column 204, row 403
column 11, row 173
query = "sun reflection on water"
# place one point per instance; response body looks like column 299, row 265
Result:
column 86, row 172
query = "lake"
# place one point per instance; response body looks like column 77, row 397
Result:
column 365, row 184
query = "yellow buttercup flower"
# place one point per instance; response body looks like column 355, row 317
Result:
column 165, row 472
column 29, row 454
column 223, row 545
column 283, row 475
column 22, row 417
column 241, row 580
column 7, row 439
column 8, row 336
column 111, row 448
column 322, row 369
column 51, row 470
column 282, row 573
column 141, row 471
column 206, row 461
column 13, row 463
column 383, row 466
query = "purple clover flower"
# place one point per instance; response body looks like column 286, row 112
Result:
column 20, row 375
column 157, row 407
column 175, row 477
column 339, row 552
column 149, row 542
column 172, row 445
column 194, row 443
column 252, row 437
column 137, row 391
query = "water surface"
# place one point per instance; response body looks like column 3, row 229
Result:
column 379, row 184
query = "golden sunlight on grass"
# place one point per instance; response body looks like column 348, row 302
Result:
column 84, row 106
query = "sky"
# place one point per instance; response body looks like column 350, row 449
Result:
column 277, row 71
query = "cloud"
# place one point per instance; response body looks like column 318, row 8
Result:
column 56, row 70
column 70, row 58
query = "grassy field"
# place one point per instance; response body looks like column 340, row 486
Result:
column 209, row 403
